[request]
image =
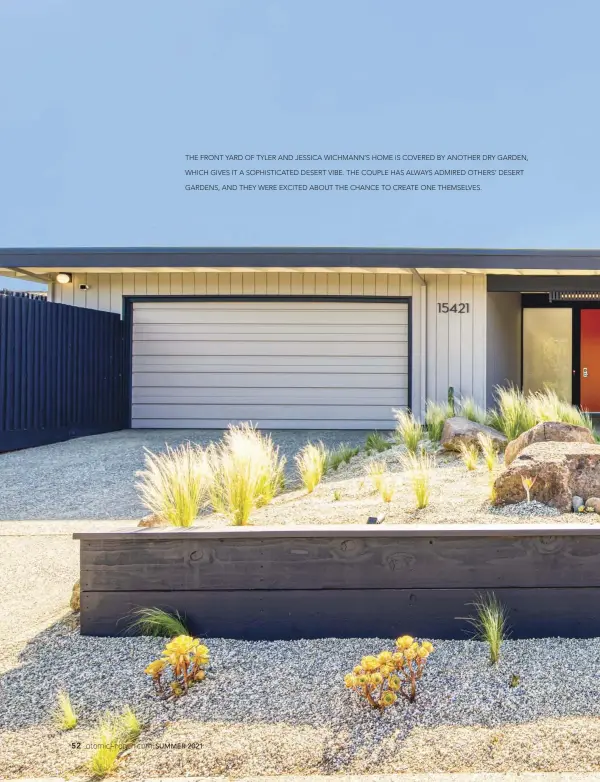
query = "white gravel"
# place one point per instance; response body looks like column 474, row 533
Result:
column 94, row 477
column 281, row 707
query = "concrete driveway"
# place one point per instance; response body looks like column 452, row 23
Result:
column 94, row 477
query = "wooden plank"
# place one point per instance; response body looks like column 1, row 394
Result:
column 547, row 531
column 348, row 613
column 338, row 563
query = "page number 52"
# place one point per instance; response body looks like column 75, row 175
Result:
column 460, row 307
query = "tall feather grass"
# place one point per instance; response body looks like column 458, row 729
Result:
column 436, row 414
column 419, row 467
column 247, row 473
column 489, row 450
column 175, row 483
column 115, row 734
column 64, row 715
column 517, row 412
column 311, row 463
column 158, row 623
column 408, row 430
column 469, row 454
column 468, row 408
column 512, row 414
column 489, row 623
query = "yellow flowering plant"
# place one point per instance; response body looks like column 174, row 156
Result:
column 381, row 678
column 185, row 658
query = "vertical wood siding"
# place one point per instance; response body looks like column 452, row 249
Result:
column 448, row 349
column 61, row 372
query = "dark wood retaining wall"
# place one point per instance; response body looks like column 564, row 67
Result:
column 325, row 581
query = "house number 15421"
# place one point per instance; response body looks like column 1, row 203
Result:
column 460, row 307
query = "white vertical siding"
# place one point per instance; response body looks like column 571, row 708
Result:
column 448, row 349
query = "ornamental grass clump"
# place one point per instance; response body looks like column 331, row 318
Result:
column 409, row 431
column 489, row 451
column 116, row 733
column 419, row 468
column 469, row 454
column 546, row 405
column 377, row 470
column 377, row 442
column 180, row 666
column 158, row 623
column 64, row 715
column 490, row 623
column 469, row 409
column 247, row 473
column 379, row 679
column 435, row 417
column 340, row 455
column 311, row 463
column 512, row 415
column 174, row 484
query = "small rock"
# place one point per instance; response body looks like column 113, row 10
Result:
column 75, row 602
column 152, row 521
column 577, row 503
column 592, row 505
column 459, row 430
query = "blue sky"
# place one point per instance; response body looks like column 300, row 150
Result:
column 105, row 98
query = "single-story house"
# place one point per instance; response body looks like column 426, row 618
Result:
column 333, row 337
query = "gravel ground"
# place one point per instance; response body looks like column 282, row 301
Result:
column 281, row 707
column 94, row 477
column 458, row 496
column 39, row 562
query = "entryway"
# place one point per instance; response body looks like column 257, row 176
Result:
column 561, row 350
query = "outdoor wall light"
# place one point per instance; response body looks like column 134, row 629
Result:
column 63, row 278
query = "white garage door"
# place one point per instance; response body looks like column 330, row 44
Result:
column 279, row 364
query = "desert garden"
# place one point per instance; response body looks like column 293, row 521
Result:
column 255, row 621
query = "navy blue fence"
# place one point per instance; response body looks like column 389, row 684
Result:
column 62, row 372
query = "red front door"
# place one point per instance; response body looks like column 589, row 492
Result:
column 590, row 360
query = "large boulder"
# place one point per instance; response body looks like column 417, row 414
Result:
column 561, row 470
column 459, row 430
column 554, row 431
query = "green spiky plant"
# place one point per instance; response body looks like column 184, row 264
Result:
column 158, row 623
column 490, row 623
column 340, row 455
column 376, row 442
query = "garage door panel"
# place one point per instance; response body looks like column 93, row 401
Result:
column 278, row 380
column 280, row 364
column 251, row 412
column 271, row 348
column 289, row 316
column 224, row 332
column 175, row 395
column 383, row 364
